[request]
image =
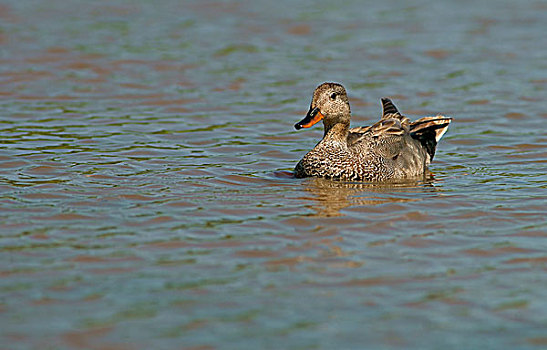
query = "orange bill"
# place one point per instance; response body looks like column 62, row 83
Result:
column 313, row 116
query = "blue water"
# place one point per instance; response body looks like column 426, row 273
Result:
column 146, row 200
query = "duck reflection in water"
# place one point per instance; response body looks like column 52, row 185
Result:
column 330, row 197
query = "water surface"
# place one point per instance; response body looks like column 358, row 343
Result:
column 145, row 200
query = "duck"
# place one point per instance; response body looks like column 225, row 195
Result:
column 392, row 149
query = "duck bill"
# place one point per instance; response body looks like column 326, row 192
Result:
column 312, row 118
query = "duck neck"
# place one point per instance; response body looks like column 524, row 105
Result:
column 337, row 131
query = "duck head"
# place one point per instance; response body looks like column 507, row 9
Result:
column 329, row 103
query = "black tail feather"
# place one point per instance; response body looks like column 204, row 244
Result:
column 429, row 131
column 388, row 107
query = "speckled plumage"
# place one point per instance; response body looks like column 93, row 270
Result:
column 393, row 148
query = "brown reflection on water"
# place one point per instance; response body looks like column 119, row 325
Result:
column 497, row 251
column 93, row 338
column 324, row 251
column 93, row 76
column 331, row 197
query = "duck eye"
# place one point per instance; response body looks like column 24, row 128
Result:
column 333, row 96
